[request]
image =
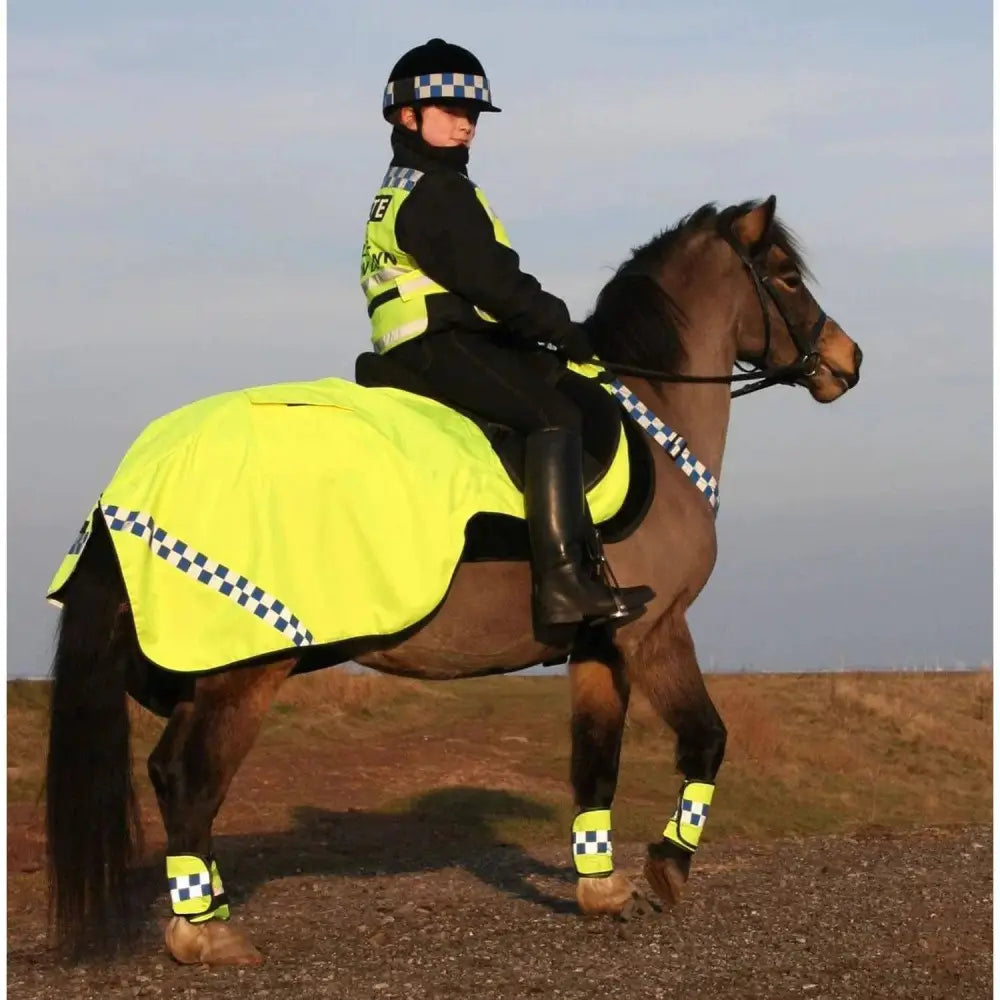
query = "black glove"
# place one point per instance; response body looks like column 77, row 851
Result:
column 575, row 344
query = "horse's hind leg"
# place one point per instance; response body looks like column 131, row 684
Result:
column 191, row 768
column 665, row 669
column 600, row 694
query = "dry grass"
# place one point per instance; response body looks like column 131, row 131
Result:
column 883, row 749
column 806, row 753
column 344, row 692
column 322, row 701
column 340, row 698
column 754, row 731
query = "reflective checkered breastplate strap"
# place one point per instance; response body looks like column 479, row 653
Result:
column 669, row 440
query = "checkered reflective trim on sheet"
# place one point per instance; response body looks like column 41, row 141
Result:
column 199, row 567
column 670, row 441
column 81, row 540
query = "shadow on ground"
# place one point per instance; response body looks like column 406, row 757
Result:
column 445, row 828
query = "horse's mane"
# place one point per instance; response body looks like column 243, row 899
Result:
column 634, row 320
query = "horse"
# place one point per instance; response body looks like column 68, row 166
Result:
column 721, row 288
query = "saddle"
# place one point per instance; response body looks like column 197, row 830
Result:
column 491, row 536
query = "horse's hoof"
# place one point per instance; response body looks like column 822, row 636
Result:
column 605, row 896
column 640, row 906
column 214, row 942
column 665, row 878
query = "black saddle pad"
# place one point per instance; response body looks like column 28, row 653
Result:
column 490, row 537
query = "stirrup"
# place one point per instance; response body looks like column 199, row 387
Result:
column 622, row 616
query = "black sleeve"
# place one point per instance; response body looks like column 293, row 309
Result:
column 443, row 225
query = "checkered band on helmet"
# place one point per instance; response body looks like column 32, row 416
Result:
column 437, row 71
column 431, row 87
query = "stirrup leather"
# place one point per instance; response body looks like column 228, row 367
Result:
column 594, row 548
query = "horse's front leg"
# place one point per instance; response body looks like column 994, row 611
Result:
column 664, row 667
column 191, row 769
column 600, row 693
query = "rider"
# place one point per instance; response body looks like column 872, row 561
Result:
column 447, row 296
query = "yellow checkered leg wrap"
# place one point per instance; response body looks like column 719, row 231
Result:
column 196, row 888
column 688, row 820
column 592, row 842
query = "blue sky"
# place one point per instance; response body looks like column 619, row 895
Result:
column 187, row 190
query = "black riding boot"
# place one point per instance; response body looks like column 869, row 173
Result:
column 565, row 588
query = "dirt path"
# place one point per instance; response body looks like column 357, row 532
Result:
column 359, row 905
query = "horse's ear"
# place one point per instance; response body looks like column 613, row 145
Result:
column 751, row 227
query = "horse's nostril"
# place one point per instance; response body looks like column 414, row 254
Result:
column 857, row 358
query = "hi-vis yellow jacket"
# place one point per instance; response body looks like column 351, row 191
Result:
column 396, row 288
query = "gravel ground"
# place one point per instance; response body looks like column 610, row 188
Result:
column 907, row 916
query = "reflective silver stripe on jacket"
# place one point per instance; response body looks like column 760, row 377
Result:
column 401, row 333
column 382, row 277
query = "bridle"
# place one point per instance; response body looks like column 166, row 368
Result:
column 805, row 365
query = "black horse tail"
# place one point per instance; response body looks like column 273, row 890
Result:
column 92, row 818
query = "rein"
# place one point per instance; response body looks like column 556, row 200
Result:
column 805, row 365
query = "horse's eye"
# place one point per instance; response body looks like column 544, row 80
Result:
column 791, row 280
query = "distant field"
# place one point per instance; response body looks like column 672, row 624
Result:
column 808, row 753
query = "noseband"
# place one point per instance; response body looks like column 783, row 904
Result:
column 806, row 364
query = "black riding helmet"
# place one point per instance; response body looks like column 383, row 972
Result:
column 437, row 73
